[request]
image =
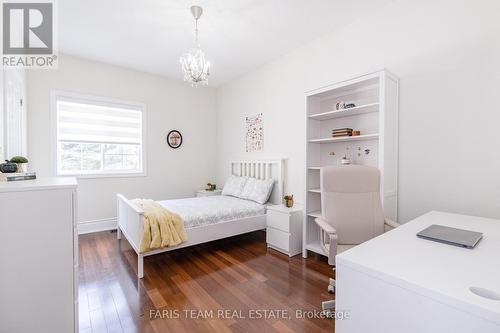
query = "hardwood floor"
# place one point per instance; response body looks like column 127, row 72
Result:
column 189, row 289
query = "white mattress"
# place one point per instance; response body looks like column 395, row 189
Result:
column 209, row 210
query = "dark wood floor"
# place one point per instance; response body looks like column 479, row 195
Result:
column 230, row 278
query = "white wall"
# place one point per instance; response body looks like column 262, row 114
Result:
column 170, row 105
column 2, row 116
column 446, row 53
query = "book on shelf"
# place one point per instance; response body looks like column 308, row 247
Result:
column 338, row 132
column 16, row 176
column 342, row 129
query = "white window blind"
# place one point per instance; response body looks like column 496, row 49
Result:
column 95, row 137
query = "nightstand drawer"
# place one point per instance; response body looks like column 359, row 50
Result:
column 278, row 238
column 278, row 220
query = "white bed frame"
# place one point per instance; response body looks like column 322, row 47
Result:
column 130, row 217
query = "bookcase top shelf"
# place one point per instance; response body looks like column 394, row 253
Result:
column 361, row 109
column 346, row 138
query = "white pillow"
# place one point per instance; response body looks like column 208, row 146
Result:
column 234, row 185
column 257, row 190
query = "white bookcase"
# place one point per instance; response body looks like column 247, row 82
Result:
column 375, row 116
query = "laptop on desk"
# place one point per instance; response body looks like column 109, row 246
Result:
column 452, row 236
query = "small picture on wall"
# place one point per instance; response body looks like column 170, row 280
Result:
column 255, row 133
column 174, row 139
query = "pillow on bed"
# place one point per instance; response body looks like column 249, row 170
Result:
column 257, row 190
column 234, row 186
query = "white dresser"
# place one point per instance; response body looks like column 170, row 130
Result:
column 398, row 282
column 284, row 228
column 38, row 256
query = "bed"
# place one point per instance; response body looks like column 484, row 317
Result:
column 206, row 218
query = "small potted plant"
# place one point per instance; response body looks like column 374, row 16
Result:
column 288, row 201
column 211, row 187
column 22, row 163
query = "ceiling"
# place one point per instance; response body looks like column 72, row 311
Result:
column 236, row 35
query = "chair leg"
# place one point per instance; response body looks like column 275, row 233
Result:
column 118, row 233
column 328, row 305
column 331, row 286
column 140, row 266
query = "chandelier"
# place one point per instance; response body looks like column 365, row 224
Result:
column 196, row 69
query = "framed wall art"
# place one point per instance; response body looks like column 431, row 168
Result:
column 255, row 133
column 174, row 139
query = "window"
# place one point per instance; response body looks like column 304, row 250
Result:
column 14, row 121
column 98, row 137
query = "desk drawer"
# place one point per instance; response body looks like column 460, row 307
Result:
column 278, row 221
column 278, row 238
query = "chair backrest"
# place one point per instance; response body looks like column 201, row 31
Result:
column 351, row 202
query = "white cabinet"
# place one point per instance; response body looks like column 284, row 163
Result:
column 38, row 256
column 284, row 229
column 368, row 104
column 205, row 193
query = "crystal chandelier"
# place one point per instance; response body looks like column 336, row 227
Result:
column 196, row 68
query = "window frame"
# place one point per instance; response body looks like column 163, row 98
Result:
column 90, row 99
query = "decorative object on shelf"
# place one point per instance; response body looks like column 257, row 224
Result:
column 255, row 133
column 288, row 200
column 16, row 176
column 340, row 105
column 196, row 69
column 22, row 163
column 211, row 187
column 341, row 132
column 345, row 160
column 174, row 139
column 356, row 133
column 350, row 105
column 8, row 167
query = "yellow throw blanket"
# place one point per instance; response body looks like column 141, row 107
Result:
column 161, row 227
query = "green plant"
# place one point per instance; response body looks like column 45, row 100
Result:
column 288, row 197
column 19, row 159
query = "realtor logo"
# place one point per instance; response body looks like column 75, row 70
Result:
column 28, row 34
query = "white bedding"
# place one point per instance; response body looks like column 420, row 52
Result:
column 209, row 210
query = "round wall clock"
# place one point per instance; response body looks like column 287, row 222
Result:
column 174, row 139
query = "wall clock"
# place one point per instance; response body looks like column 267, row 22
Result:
column 174, row 139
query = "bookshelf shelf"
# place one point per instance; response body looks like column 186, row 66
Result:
column 346, row 138
column 376, row 116
column 314, row 214
column 361, row 109
column 315, row 247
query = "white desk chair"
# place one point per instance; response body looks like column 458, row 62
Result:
column 351, row 210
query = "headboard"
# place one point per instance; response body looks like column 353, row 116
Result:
column 272, row 169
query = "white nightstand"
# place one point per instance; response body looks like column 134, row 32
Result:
column 205, row 193
column 284, row 228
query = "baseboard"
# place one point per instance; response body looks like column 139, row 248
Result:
column 86, row 227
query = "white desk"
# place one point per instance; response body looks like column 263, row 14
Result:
column 398, row 282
